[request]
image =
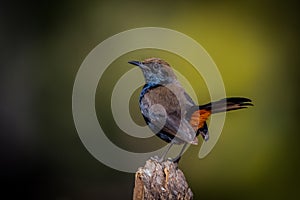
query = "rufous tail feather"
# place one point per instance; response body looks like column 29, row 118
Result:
column 199, row 114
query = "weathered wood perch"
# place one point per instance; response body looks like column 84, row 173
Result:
column 161, row 181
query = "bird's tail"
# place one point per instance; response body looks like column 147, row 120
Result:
column 227, row 104
column 199, row 114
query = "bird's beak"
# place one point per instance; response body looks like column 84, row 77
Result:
column 133, row 62
column 139, row 64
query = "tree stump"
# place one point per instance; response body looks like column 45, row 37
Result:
column 161, row 181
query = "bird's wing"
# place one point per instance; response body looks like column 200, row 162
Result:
column 162, row 108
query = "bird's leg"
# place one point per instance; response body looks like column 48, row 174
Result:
column 177, row 158
column 165, row 153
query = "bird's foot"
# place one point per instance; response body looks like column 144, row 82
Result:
column 158, row 159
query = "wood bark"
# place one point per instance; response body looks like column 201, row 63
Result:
column 161, row 180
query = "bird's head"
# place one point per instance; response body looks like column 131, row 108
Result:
column 156, row 71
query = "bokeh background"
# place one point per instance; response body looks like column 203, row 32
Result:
column 254, row 44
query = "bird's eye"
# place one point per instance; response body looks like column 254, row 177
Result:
column 155, row 66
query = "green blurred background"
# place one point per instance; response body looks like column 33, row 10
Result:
column 253, row 43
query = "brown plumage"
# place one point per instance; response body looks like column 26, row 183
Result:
column 170, row 112
column 198, row 118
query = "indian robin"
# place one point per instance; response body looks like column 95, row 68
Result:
column 170, row 112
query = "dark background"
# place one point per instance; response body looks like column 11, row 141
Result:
column 254, row 43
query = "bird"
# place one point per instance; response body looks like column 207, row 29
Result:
column 170, row 112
